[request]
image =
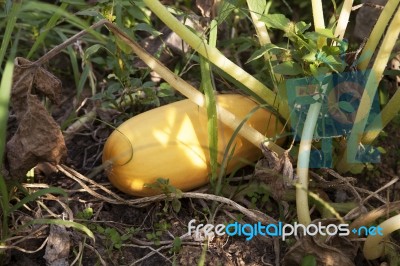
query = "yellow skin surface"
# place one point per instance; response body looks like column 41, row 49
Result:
column 172, row 142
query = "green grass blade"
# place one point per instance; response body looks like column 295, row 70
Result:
column 82, row 81
column 72, row 57
column 30, row 6
column 36, row 195
column 211, row 105
column 12, row 19
column 75, row 225
column 50, row 24
column 5, row 88
column 230, row 149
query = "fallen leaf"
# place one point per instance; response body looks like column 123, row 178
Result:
column 276, row 172
column 38, row 137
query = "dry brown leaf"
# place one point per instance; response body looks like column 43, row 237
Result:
column 330, row 251
column 276, row 172
column 38, row 137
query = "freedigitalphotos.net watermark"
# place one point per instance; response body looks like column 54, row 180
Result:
column 339, row 106
column 203, row 231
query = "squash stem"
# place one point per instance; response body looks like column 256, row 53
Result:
column 343, row 19
column 374, row 246
column 256, row 11
column 303, row 161
column 371, row 86
column 318, row 17
column 303, row 213
column 377, row 33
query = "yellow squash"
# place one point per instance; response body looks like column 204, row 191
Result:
column 171, row 142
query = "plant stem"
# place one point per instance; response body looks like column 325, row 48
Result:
column 368, row 96
column 212, row 117
column 374, row 246
column 390, row 110
column 216, row 57
column 303, row 161
column 256, row 11
column 318, row 16
column 377, row 33
column 343, row 19
column 303, row 213
column 5, row 88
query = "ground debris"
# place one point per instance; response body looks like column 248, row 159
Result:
column 329, row 251
column 38, row 137
column 58, row 246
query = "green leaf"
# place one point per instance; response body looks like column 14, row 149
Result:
column 260, row 52
column 288, row 68
column 147, row 28
column 305, row 100
column 176, row 245
column 381, row 150
column 276, row 21
column 327, row 33
column 176, row 205
column 123, row 46
column 310, row 57
column 226, row 8
column 92, row 50
column 257, row 6
column 346, row 106
column 332, row 50
column 301, row 26
column 309, row 260
column 91, row 12
column 356, row 168
column 335, row 63
column 75, row 225
column 319, row 72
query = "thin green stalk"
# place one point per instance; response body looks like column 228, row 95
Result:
column 5, row 88
column 391, row 109
column 12, row 19
column 257, row 8
column 72, row 57
column 303, row 213
column 371, row 86
column 215, row 56
column 377, row 33
column 211, row 103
